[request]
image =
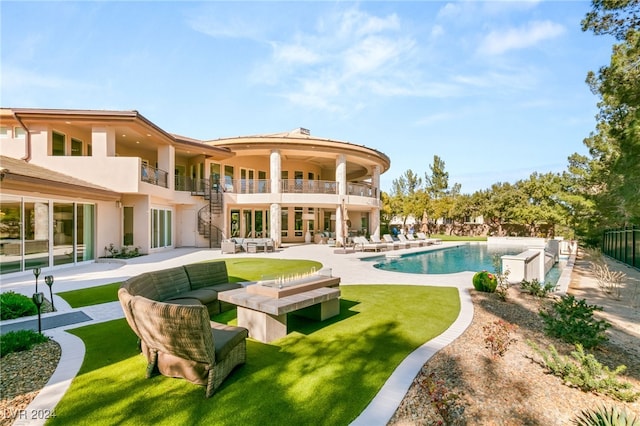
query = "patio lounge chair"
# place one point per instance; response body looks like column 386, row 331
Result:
column 396, row 244
column 412, row 237
column 422, row 236
column 180, row 341
column 375, row 239
column 363, row 244
column 413, row 243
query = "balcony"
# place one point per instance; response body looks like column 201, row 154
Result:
column 154, row 176
column 263, row 186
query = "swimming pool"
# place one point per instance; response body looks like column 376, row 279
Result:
column 449, row 260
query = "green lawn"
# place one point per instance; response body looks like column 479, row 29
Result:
column 240, row 269
column 91, row 296
column 320, row 373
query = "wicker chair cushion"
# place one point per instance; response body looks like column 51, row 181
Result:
column 227, row 337
column 142, row 285
column 204, row 295
column 170, row 282
column 224, row 287
column 206, row 274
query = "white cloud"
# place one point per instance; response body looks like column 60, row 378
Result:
column 16, row 79
column 435, row 118
column 294, row 54
column 348, row 56
column 501, row 41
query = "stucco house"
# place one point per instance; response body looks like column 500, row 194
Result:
column 77, row 181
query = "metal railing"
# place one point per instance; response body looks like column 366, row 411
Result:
column 263, row 186
column 623, row 245
column 154, row 176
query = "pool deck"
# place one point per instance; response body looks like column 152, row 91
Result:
column 346, row 266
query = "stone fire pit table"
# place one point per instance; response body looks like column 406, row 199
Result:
column 263, row 309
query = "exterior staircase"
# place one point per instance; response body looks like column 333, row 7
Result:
column 210, row 191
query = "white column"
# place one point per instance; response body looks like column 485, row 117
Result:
column 341, row 179
column 275, row 231
column 103, row 142
column 275, row 170
column 374, row 219
column 275, row 216
column 167, row 162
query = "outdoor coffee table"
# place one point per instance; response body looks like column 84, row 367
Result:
column 263, row 309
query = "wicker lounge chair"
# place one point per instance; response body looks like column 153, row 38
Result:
column 178, row 340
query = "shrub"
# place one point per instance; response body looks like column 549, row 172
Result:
column 485, row 281
column 21, row 340
column 535, row 288
column 572, row 321
column 14, row 305
column 603, row 416
column 497, row 337
column 445, row 402
column 502, row 278
column 586, row 373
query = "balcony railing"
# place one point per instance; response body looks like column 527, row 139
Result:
column 154, row 176
column 308, row 186
column 289, row 186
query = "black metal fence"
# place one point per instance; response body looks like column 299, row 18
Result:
column 623, row 245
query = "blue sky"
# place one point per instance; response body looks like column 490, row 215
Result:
column 495, row 89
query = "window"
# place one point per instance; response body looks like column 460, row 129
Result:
column 298, row 230
column 262, row 182
column 76, row 147
column 214, row 175
column 228, row 178
column 127, row 226
column 19, row 133
column 85, row 234
column 235, row 223
column 161, row 226
column 58, row 142
column 284, row 222
column 4, row 132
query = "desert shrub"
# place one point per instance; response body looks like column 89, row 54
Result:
column 485, row 281
column 443, row 400
column 14, row 305
column 18, row 341
column 572, row 321
column 502, row 278
column 536, row 288
column 584, row 372
column 497, row 337
column 603, row 416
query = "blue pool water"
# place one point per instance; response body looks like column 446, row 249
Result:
column 467, row 257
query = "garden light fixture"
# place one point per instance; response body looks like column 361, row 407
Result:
column 36, row 272
column 38, row 299
column 49, row 280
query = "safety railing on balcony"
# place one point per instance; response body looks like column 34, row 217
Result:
column 362, row 189
column 263, row 186
column 154, row 176
column 308, row 186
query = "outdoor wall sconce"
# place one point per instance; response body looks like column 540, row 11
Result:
column 38, row 299
column 49, row 280
column 36, row 272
